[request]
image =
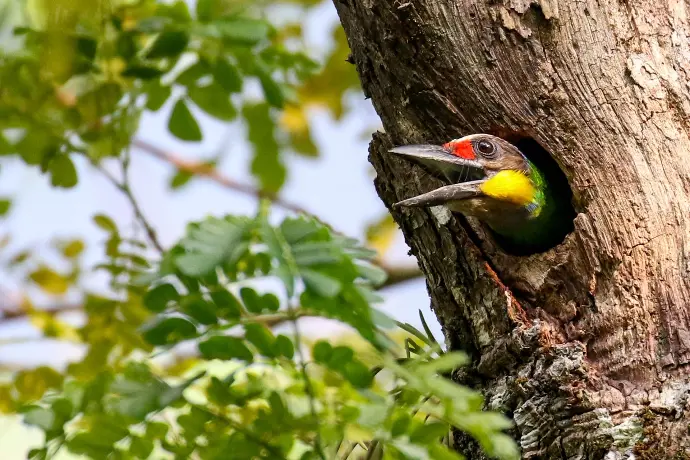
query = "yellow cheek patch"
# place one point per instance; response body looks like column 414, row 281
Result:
column 512, row 186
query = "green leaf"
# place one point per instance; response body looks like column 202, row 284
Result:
column 413, row 330
column 212, row 243
column 180, row 179
column 322, row 351
column 72, row 249
column 218, row 392
column 316, row 253
column 448, row 362
column 205, row 9
column 32, row 384
column 156, row 430
column 40, row 417
column 86, row 444
column 164, row 331
column 102, row 435
column 201, row 310
column 270, row 302
column 426, row 328
column 504, row 447
column 278, row 248
column 225, row 348
column 284, row 347
column 252, row 300
column 156, row 96
column 262, row 338
column 49, row 280
column 429, row 432
column 36, row 146
column 143, row 72
column 340, row 356
column 5, row 205
column 135, row 393
column 227, row 304
column 157, row 299
column 192, row 74
column 400, row 425
column 140, row 447
column 63, row 173
column 182, row 123
column 105, row 222
column 242, row 31
column 126, row 46
column 193, row 423
column 171, row 395
column 358, row 374
column 168, row 44
column 38, row 454
column 266, row 163
column 99, row 102
column 178, row 11
column 272, row 90
column 323, row 285
column 376, row 275
column 297, row 229
column 226, row 75
column 213, row 100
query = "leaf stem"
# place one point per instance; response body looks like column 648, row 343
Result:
column 307, row 381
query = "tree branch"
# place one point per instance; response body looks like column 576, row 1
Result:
column 396, row 275
column 399, row 274
column 12, row 313
column 201, row 169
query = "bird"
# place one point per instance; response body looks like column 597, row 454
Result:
column 492, row 180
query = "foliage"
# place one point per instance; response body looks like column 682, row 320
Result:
column 183, row 355
column 249, row 389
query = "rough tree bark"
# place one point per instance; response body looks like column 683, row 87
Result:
column 586, row 346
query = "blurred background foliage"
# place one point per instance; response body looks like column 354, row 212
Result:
column 192, row 348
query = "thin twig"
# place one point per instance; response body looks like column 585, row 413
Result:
column 307, row 382
column 125, row 188
column 201, row 169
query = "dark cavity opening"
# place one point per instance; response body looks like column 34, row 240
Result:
column 560, row 222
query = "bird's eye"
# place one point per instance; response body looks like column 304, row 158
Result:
column 486, row 148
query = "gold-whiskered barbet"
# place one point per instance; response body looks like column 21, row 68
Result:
column 490, row 179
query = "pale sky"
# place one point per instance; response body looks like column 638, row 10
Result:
column 338, row 188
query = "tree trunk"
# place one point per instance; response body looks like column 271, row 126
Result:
column 586, row 346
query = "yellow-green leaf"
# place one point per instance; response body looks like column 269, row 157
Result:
column 49, row 280
column 5, row 205
column 72, row 249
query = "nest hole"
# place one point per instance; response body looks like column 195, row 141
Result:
column 561, row 194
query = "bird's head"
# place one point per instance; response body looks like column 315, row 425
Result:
column 487, row 175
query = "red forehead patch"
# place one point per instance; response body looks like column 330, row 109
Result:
column 462, row 149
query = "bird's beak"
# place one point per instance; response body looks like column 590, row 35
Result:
column 443, row 195
column 464, row 175
column 439, row 160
